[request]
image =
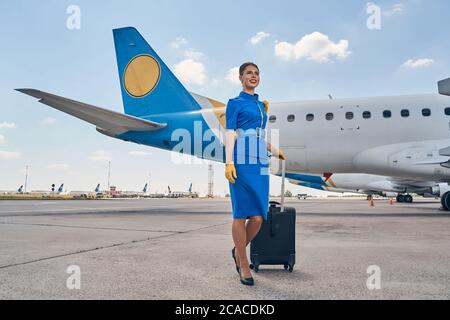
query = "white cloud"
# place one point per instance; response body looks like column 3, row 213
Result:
column 7, row 155
column 233, row 76
column 7, row 125
column 419, row 63
column 58, row 166
column 139, row 153
column 315, row 46
column 193, row 54
column 190, row 71
column 179, row 42
column 48, row 121
column 257, row 38
column 2, row 139
column 395, row 10
column 100, row 156
column 284, row 50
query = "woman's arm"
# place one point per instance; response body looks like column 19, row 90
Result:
column 230, row 136
column 230, row 170
column 279, row 153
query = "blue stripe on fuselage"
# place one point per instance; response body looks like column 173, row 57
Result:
column 306, row 178
column 311, row 185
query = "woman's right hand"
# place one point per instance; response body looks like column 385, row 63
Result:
column 230, row 172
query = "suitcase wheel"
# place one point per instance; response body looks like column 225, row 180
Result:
column 252, row 267
column 288, row 268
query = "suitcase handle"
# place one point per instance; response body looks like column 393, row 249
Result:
column 283, row 178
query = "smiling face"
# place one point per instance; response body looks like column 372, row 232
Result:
column 250, row 78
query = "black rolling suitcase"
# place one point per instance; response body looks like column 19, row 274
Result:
column 275, row 242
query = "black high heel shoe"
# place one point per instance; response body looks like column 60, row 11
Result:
column 235, row 262
column 246, row 281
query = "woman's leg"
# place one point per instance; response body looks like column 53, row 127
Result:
column 253, row 227
column 251, row 230
column 240, row 242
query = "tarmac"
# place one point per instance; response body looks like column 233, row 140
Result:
column 180, row 249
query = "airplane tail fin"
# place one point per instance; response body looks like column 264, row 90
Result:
column 97, row 188
column 148, row 86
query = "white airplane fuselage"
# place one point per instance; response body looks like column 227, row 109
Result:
column 409, row 147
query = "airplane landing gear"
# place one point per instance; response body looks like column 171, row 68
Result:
column 406, row 198
column 445, row 201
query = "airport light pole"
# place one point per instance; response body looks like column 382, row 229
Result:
column 210, row 180
column 26, row 178
column 109, row 175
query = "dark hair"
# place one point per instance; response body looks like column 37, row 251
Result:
column 245, row 65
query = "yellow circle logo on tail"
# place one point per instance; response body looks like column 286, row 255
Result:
column 141, row 76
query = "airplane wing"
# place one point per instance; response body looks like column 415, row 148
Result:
column 107, row 122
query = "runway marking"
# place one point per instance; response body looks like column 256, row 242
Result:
column 75, row 209
column 115, row 210
column 82, row 227
column 111, row 246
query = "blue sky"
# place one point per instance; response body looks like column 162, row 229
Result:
column 407, row 55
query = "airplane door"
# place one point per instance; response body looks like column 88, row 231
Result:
column 349, row 119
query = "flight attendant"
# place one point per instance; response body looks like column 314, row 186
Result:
column 247, row 166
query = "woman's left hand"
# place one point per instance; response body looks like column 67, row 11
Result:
column 281, row 154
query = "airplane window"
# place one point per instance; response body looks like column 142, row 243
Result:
column 387, row 114
column 309, row 117
column 367, row 115
column 349, row 115
column 272, row 119
column 405, row 113
column 291, row 118
column 329, row 116
column 447, row 111
column 426, row 112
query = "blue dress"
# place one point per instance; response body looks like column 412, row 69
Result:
column 250, row 192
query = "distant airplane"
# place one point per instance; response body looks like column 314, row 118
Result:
column 96, row 193
column 142, row 193
column 183, row 194
column 404, row 137
column 61, row 190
